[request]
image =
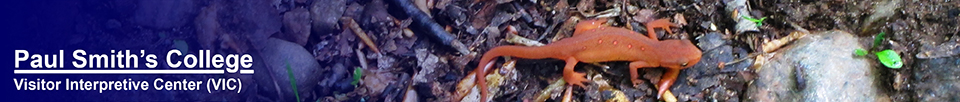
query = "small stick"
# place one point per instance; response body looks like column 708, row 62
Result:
column 423, row 22
column 777, row 43
column 349, row 22
column 362, row 59
column 668, row 97
column 517, row 39
column 568, row 95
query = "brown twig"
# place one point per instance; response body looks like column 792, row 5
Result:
column 777, row 43
column 669, row 97
column 352, row 25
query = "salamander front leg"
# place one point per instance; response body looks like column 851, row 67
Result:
column 572, row 77
column 659, row 23
column 634, row 76
column 667, row 80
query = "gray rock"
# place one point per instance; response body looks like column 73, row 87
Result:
column 937, row 79
column 880, row 15
column 326, row 13
column 818, row 67
column 296, row 25
column 711, row 40
column 277, row 55
column 375, row 16
column 164, row 14
column 258, row 19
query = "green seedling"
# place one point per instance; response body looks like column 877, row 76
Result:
column 293, row 81
column 758, row 21
column 878, row 39
column 860, row 52
column 357, row 73
column 890, row 58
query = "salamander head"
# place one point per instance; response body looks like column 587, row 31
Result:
column 679, row 54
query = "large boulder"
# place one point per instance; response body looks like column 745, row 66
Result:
column 818, row 67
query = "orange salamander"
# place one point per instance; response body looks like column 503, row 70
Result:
column 593, row 42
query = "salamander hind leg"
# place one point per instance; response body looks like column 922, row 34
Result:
column 572, row 77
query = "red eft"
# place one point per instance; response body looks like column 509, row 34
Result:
column 593, row 42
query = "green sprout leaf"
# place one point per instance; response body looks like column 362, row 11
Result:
column 878, row 39
column 357, row 73
column 860, row 52
column 758, row 21
column 890, row 58
column 293, row 81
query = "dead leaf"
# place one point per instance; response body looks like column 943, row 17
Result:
column 645, row 15
column 681, row 20
column 425, row 6
column 377, row 80
column 427, row 63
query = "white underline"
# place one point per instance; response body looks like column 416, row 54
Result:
column 246, row 71
column 212, row 71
